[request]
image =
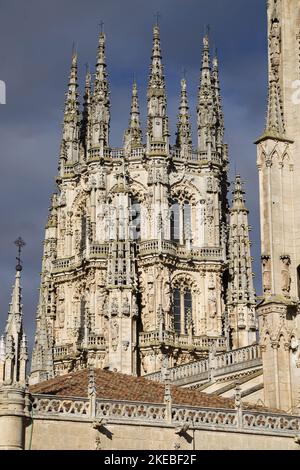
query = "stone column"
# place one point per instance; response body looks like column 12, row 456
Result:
column 13, row 416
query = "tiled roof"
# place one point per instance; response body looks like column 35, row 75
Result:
column 117, row 386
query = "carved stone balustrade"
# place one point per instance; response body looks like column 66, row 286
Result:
column 154, row 414
column 226, row 362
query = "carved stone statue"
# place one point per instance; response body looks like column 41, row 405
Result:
column 266, row 274
column 101, row 300
column 275, row 39
column 212, row 305
column 285, row 274
column 114, row 307
column 209, row 208
column 114, row 329
column 166, row 301
column 126, row 307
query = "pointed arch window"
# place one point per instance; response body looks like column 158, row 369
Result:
column 182, row 307
column 180, row 221
column 135, row 219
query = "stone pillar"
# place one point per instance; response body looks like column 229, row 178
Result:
column 12, row 417
column 280, row 352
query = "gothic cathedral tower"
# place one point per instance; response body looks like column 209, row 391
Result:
column 279, row 174
column 137, row 262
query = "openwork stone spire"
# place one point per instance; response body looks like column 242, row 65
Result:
column 218, row 102
column 133, row 135
column 275, row 119
column 85, row 130
column 241, row 295
column 100, row 107
column 70, row 140
column 158, row 129
column 42, row 358
column 275, row 123
column 183, row 135
column 205, row 109
column 13, row 345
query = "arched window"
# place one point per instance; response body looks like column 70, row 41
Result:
column 182, row 305
column 180, row 221
column 175, row 222
column 135, row 219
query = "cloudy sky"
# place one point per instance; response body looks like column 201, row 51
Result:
column 36, row 39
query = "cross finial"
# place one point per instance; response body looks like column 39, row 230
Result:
column 184, row 72
column 20, row 244
column 157, row 17
column 101, row 24
column 207, row 30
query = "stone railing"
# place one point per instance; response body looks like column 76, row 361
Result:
column 97, row 341
column 57, row 406
column 155, row 247
column 62, row 351
column 194, row 156
column 117, row 153
column 169, row 338
column 63, row 263
column 158, row 148
column 137, row 152
column 94, row 153
column 159, row 414
column 168, row 247
column 69, row 170
column 246, row 421
column 99, row 250
column 207, row 253
column 199, row 370
column 238, row 356
column 130, row 411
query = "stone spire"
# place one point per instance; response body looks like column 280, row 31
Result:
column 183, row 135
column 133, row 135
column 205, row 109
column 241, row 295
column 275, row 122
column 218, row 102
column 13, row 346
column 158, row 128
column 100, row 103
column 85, row 130
column 42, row 356
column 70, row 140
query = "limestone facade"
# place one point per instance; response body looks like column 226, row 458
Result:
column 279, row 172
column 137, row 250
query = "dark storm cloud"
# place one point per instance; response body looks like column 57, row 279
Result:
column 35, row 46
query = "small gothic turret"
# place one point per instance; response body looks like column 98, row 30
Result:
column 218, row 103
column 183, row 135
column 100, row 103
column 70, row 140
column 241, row 295
column 133, row 135
column 13, row 347
column 205, row 109
column 275, row 122
column 42, row 358
column 158, row 129
column 85, row 137
column 275, row 117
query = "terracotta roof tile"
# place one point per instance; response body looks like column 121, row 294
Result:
column 117, row 386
